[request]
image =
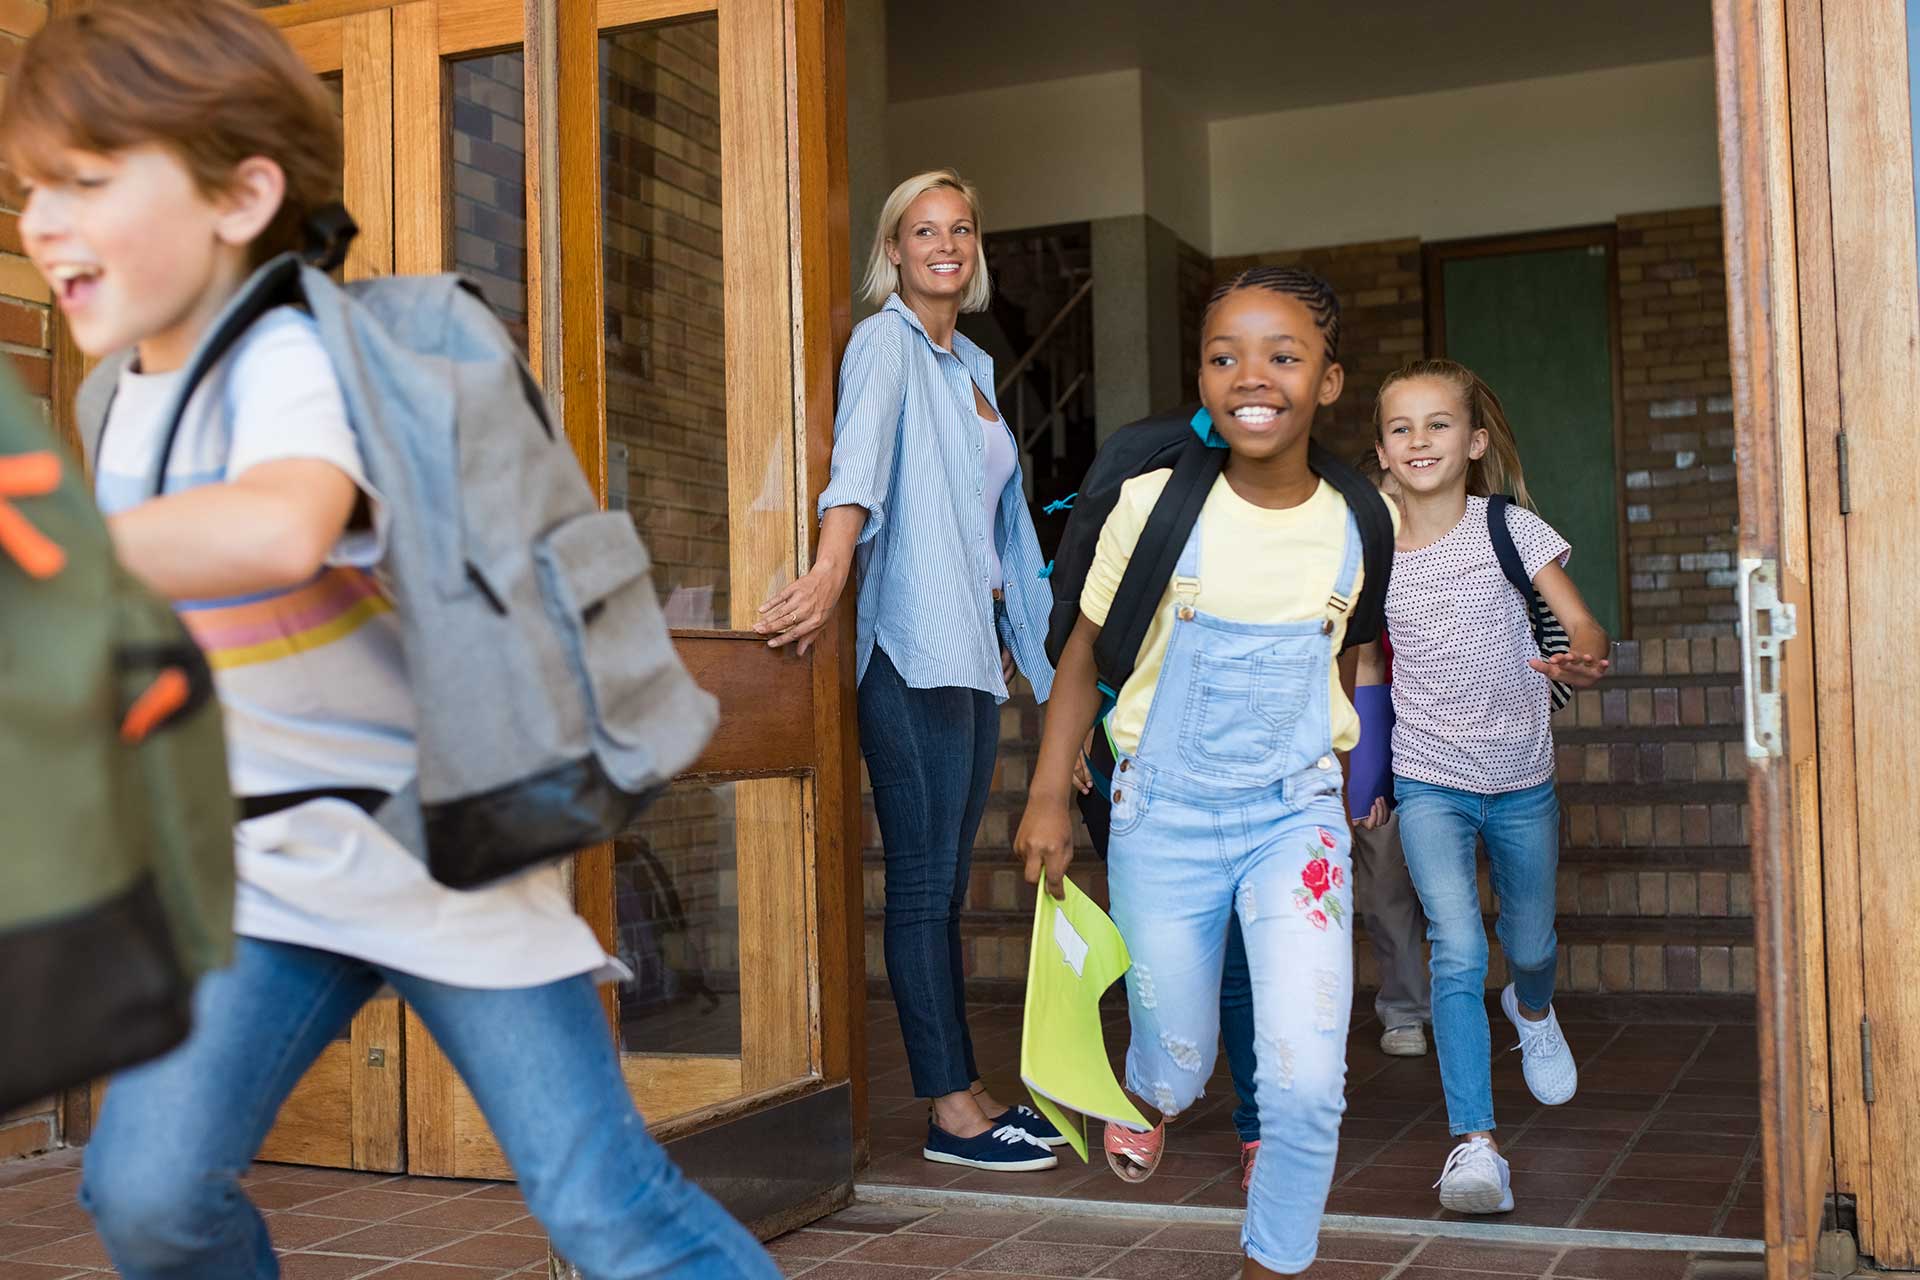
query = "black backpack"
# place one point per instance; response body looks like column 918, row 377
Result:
column 1172, row 440
column 1548, row 635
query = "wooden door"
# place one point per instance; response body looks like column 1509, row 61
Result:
column 346, row 1111
column 1851, row 105
column 651, row 191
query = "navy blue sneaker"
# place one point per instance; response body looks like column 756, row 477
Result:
column 1007, row 1148
column 1037, row 1125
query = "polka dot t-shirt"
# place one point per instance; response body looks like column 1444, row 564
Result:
column 1469, row 712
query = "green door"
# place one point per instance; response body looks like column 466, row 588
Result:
column 1535, row 326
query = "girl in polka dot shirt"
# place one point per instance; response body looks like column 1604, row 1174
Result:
column 1472, row 743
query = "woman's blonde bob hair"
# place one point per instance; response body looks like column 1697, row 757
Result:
column 883, row 277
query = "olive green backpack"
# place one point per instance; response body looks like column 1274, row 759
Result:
column 116, row 880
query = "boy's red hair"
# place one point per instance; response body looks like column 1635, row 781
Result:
column 209, row 80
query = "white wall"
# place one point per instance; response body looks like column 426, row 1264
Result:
column 1179, row 188
column 1522, row 156
column 1058, row 151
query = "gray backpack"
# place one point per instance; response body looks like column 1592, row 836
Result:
column 550, row 704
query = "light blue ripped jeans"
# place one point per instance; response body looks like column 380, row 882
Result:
column 1233, row 802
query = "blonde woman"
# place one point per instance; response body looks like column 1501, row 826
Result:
column 926, row 500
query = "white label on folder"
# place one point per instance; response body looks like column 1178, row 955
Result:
column 1072, row 946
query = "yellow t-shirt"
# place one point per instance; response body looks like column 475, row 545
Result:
column 1256, row 565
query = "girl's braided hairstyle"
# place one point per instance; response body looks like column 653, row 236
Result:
column 1309, row 288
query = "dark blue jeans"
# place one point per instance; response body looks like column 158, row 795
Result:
column 930, row 758
column 1236, row 1028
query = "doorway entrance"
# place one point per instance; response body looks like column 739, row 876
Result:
column 641, row 225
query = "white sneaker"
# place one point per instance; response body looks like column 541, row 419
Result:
column 1476, row 1179
column 1404, row 1042
column 1546, row 1061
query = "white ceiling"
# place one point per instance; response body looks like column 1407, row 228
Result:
column 1242, row 57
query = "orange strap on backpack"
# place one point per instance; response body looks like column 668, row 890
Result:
column 29, row 475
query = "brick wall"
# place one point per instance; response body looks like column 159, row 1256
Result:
column 666, row 381
column 1682, row 506
column 25, row 338
column 667, row 408
column 490, row 181
column 1382, row 323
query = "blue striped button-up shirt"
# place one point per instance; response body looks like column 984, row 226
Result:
column 907, row 446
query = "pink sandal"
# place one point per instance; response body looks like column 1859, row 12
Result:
column 1134, row 1155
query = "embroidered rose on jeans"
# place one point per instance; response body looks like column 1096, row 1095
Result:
column 1314, row 897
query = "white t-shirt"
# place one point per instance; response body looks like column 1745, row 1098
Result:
column 312, row 681
column 1469, row 712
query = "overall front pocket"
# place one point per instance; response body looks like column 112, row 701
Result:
column 1241, row 711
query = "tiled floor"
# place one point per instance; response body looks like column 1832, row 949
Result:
column 881, row 1242
column 329, row 1225
column 1663, row 1136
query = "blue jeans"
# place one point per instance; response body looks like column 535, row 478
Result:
column 162, row 1178
column 930, row 757
column 1438, row 828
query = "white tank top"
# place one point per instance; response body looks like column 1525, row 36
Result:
column 1000, row 460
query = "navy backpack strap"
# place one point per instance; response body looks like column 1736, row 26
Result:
column 1503, row 549
column 1151, row 566
column 278, row 282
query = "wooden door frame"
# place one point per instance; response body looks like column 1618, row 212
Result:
column 1766, row 281
column 1435, row 255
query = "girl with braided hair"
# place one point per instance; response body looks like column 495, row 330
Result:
column 1226, row 798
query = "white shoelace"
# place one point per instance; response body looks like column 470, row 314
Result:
column 1479, row 1150
column 1014, row 1133
column 1544, row 1034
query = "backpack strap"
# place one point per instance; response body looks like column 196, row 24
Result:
column 273, row 285
column 1375, row 523
column 1503, row 548
column 1154, row 558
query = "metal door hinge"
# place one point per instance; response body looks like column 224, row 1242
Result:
column 1766, row 623
column 1866, row 1059
column 1846, row 474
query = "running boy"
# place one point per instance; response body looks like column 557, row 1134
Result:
column 169, row 147
column 1227, row 794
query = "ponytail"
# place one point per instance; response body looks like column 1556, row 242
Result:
column 1496, row 471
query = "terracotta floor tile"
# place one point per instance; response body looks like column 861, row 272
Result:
column 15, row 1238
column 1620, row 1264
column 433, row 1271
column 922, row 1249
column 1481, row 1257
column 11, row 1270
column 84, row 1250
column 1721, row 1169
column 1408, row 1202
column 1744, row 1224
column 1523, row 1158
column 69, row 1218
column 1164, row 1264
column 466, row 1213
column 303, row 1231
column 993, row 1223
column 321, row 1266
column 1527, row 1211
column 876, row 1218
column 1628, row 1215
column 389, row 1240
column 1158, row 1189
column 370, row 1204
column 1346, row 1271
column 1665, row 1191
column 287, row 1195
column 1040, row 1259
column 492, row 1250
column 1201, row 1237
column 841, row 1269
column 1694, row 1144
column 809, row 1242
column 1119, row 1232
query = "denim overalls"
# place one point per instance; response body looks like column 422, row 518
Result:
column 1233, row 801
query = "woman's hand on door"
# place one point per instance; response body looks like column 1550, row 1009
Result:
column 795, row 613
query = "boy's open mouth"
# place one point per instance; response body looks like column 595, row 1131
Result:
column 73, row 283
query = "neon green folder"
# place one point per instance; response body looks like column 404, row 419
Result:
column 1077, row 953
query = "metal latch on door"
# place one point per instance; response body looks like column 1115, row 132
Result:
column 1766, row 623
